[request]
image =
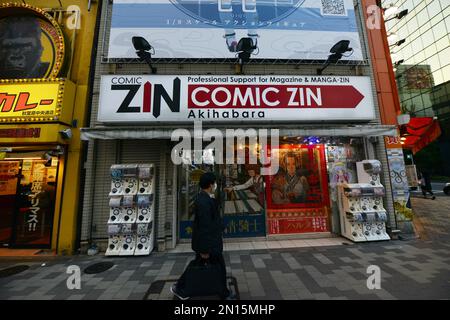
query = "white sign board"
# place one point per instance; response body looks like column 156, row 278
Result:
column 229, row 98
column 211, row 29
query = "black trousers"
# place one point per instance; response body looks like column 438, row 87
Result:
column 216, row 258
column 426, row 189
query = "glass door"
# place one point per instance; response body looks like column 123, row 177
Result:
column 9, row 178
column 35, row 203
column 242, row 200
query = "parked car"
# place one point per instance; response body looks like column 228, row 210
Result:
column 447, row 189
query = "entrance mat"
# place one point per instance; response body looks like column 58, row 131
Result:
column 98, row 267
column 160, row 289
column 13, row 270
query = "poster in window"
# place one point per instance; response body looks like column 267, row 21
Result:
column 297, row 195
column 8, row 177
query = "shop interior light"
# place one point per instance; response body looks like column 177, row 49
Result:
column 337, row 52
column 144, row 51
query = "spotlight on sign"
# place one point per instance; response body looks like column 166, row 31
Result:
column 245, row 48
column 144, row 51
column 337, row 52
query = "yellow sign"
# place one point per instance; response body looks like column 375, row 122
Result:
column 31, row 133
column 393, row 142
column 31, row 43
column 2, row 155
column 35, row 100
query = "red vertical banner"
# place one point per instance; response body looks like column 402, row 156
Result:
column 297, row 195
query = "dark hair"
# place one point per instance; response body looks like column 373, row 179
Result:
column 207, row 179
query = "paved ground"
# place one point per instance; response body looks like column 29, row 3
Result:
column 418, row 269
column 437, row 188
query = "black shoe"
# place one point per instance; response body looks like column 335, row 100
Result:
column 177, row 293
column 433, row 197
column 231, row 296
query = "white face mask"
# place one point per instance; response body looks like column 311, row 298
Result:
column 214, row 188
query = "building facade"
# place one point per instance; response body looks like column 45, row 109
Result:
column 46, row 49
column 424, row 75
column 326, row 122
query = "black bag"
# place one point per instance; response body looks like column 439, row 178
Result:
column 203, row 278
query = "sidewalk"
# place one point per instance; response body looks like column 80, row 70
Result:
column 416, row 269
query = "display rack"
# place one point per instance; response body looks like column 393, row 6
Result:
column 362, row 214
column 131, row 217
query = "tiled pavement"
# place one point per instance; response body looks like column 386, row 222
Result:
column 416, row 269
column 432, row 217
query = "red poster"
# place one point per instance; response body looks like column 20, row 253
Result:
column 297, row 195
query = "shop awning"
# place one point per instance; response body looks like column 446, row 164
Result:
column 419, row 133
column 112, row 133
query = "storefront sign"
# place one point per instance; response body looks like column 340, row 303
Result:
column 282, row 29
column 36, row 100
column 20, row 133
column 158, row 99
column 26, row 133
column 244, row 226
column 235, row 226
column 31, row 43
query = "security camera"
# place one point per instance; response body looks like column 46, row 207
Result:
column 66, row 133
column 48, row 158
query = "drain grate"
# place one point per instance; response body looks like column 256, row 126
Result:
column 13, row 270
column 160, row 290
column 98, row 267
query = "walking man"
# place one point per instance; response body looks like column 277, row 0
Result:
column 207, row 240
column 425, row 184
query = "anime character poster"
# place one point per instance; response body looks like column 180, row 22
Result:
column 297, row 195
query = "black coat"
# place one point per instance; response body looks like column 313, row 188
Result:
column 208, row 225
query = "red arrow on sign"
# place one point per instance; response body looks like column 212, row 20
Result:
column 340, row 97
column 273, row 96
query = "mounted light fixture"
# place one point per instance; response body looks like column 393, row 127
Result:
column 245, row 48
column 398, row 43
column 392, row 38
column 390, row 11
column 399, row 62
column 399, row 15
column 337, row 52
column 144, row 51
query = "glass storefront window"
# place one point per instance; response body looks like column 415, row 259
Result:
column 29, row 197
column 296, row 199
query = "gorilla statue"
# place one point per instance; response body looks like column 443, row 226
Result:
column 21, row 48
